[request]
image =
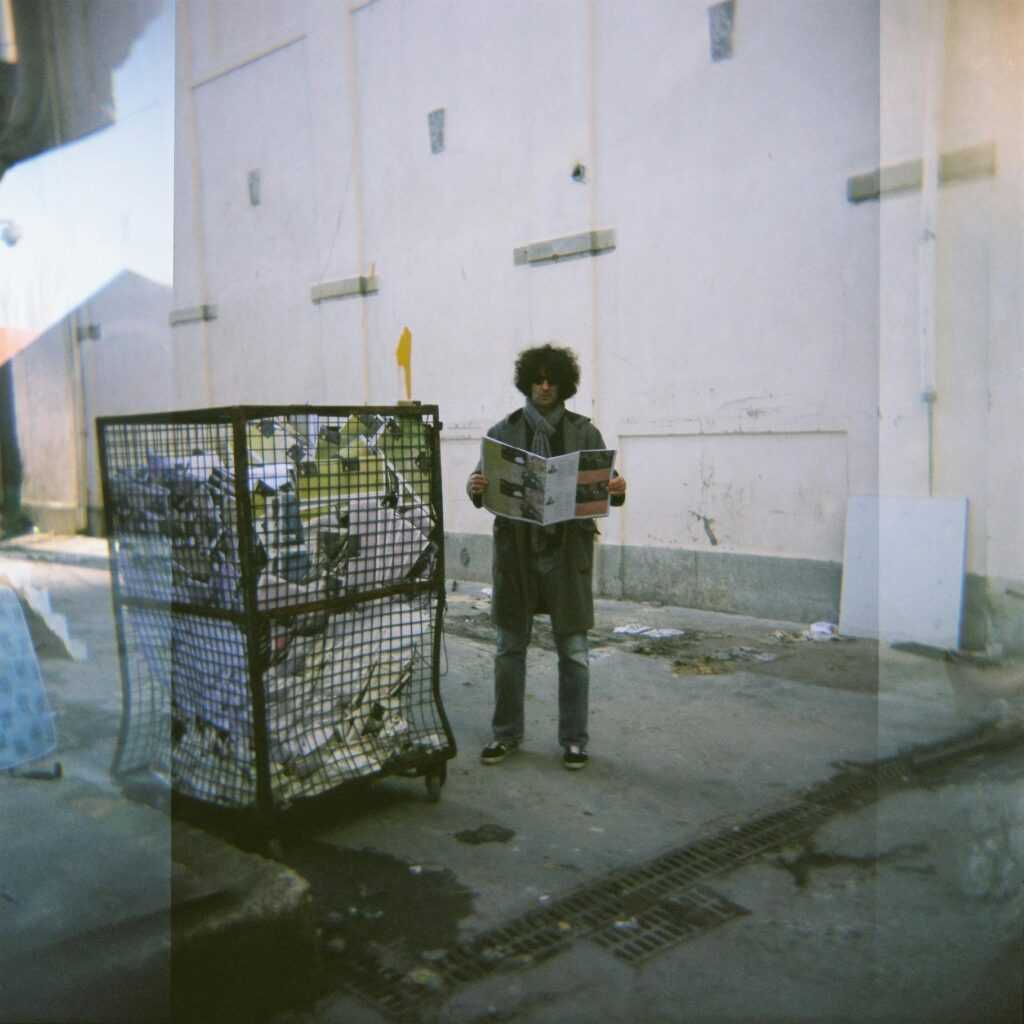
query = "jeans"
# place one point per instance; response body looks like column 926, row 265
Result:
column 510, row 685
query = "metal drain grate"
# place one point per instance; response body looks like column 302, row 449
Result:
column 860, row 783
column 533, row 937
column 635, row 913
column 678, row 918
column 384, row 989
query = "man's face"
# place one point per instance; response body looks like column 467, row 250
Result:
column 543, row 393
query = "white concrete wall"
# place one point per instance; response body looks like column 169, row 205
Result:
column 977, row 277
column 722, row 318
column 738, row 343
column 276, row 99
column 751, row 344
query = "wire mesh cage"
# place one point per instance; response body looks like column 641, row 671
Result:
column 278, row 589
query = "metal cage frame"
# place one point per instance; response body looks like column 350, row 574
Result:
column 380, row 624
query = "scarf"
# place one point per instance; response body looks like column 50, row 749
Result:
column 542, row 429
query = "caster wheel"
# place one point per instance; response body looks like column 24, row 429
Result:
column 434, row 784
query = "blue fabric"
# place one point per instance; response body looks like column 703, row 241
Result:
column 26, row 722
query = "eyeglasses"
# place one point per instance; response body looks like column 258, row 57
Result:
column 545, row 380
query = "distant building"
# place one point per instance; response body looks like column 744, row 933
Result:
column 110, row 356
column 57, row 59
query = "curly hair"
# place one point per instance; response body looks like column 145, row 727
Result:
column 558, row 363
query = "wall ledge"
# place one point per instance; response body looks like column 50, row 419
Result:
column 345, row 288
column 192, row 314
column 589, row 243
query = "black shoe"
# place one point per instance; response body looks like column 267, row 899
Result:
column 497, row 751
column 575, row 757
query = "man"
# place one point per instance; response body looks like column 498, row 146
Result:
column 543, row 569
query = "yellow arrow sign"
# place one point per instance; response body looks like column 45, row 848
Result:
column 403, row 354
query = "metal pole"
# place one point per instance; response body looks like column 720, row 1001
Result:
column 937, row 13
column 255, row 623
column 437, row 499
column 116, row 600
column 357, row 189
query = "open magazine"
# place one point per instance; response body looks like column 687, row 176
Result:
column 522, row 485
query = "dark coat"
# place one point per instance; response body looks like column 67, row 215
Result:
column 513, row 604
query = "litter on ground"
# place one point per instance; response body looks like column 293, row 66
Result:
column 648, row 632
column 822, row 631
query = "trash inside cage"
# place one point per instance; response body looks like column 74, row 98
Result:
column 278, row 590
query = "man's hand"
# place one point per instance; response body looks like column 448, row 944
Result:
column 617, row 486
column 477, row 484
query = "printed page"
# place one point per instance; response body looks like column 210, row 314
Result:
column 515, row 481
column 527, row 487
column 560, row 488
column 592, row 478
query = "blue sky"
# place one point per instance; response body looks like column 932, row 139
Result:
column 93, row 208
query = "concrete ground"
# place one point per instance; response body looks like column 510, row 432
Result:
column 85, row 874
column 906, row 904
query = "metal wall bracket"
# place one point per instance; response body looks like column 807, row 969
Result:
column 192, row 315
column 89, row 332
column 589, row 243
column 721, row 17
column 435, row 123
column 345, row 288
column 960, row 165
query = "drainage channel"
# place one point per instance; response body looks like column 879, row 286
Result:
column 642, row 911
